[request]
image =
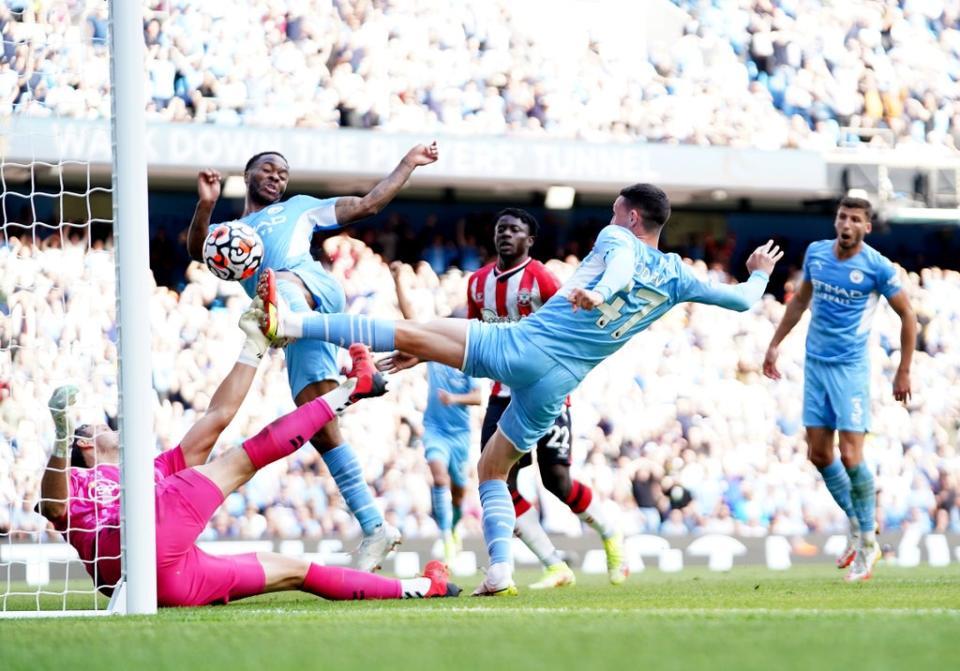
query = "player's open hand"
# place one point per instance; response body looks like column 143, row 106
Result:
column 764, row 258
column 208, row 185
column 423, row 154
column 770, row 363
column 901, row 385
column 396, row 362
column 60, row 403
column 584, row 299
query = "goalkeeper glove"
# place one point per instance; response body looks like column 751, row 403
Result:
column 60, row 403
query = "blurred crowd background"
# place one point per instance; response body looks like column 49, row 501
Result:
column 679, row 432
column 761, row 73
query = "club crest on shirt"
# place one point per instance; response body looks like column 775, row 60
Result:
column 524, row 297
column 103, row 491
column 856, row 276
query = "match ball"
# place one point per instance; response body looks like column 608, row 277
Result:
column 232, row 251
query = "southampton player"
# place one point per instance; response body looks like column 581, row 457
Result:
column 286, row 229
column 622, row 286
column 506, row 290
column 842, row 280
column 446, row 429
column 83, row 502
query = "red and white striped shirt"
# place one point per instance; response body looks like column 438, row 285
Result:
column 495, row 295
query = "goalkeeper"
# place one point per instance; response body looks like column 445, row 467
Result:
column 83, row 500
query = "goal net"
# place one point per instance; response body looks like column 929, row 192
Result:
column 62, row 314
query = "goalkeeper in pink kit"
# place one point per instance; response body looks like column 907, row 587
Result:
column 82, row 498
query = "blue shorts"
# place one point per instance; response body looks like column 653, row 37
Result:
column 836, row 395
column 310, row 361
column 453, row 451
column 539, row 385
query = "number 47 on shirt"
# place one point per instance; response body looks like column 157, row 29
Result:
column 613, row 310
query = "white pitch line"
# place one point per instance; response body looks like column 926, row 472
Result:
column 530, row 610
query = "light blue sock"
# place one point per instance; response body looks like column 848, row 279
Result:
column 348, row 475
column 344, row 330
column 498, row 520
column 838, row 484
column 864, row 495
column 442, row 507
column 293, row 295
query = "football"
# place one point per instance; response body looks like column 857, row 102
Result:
column 232, row 251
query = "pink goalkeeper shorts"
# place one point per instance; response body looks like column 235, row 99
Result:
column 186, row 575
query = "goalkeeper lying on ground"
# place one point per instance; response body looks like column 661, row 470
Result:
column 83, row 501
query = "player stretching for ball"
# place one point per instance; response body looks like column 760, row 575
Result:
column 286, row 229
column 843, row 278
column 622, row 286
column 83, row 502
column 507, row 290
column 446, row 429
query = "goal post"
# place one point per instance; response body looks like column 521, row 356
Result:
column 55, row 260
column 132, row 253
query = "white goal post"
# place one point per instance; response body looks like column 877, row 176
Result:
column 30, row 562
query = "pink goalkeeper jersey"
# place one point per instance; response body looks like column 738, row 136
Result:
column 92, row 524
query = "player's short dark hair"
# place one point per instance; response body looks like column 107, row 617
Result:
column 256, row 157
column 533, row 226
column 651, row 201
column 854, row 203
column 76, row 454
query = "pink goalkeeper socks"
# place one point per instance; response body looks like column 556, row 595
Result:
column 341, row 584
column 285, row 435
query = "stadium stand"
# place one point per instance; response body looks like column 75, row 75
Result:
column 689, row 441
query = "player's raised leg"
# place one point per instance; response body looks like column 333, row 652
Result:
column 440, row 340
column 863, row 495
column 343, row 584
column 822, row 454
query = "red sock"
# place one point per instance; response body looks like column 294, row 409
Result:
column 579, row 497
column 345, row 584
column 285, row 435
column 520, row 504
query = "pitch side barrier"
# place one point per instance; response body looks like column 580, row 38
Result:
column 36, row 565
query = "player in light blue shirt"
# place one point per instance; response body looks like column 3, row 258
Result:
column 623, row 285
column 446, row 428
column 286, row 228
column 842, row 280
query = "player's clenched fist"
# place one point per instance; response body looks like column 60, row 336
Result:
column 423, row 154
column 584, row 299
column 208, row 185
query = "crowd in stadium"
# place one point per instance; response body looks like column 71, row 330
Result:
column 679, row 432
column 762, row 73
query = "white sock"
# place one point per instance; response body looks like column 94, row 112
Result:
column 593, row 516
column 339, row 398
column 500, row 575
column 868, row 538
column 854, row 528
column 414, row 588
column 528, row 530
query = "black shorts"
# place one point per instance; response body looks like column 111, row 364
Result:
column 553, row 448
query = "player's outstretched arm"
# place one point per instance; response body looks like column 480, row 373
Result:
column 908, row 341
column 228, row 397
column 742, row 296
column 54, row 489
column 208, row 190
column 400, row 271
column 791, row 316
column 351, row 208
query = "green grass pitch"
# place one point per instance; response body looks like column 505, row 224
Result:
column 805, row 618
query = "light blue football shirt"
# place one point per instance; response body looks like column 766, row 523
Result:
column 286, row 230
column 580, row 340
column 845, row 296
column 453, row 419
